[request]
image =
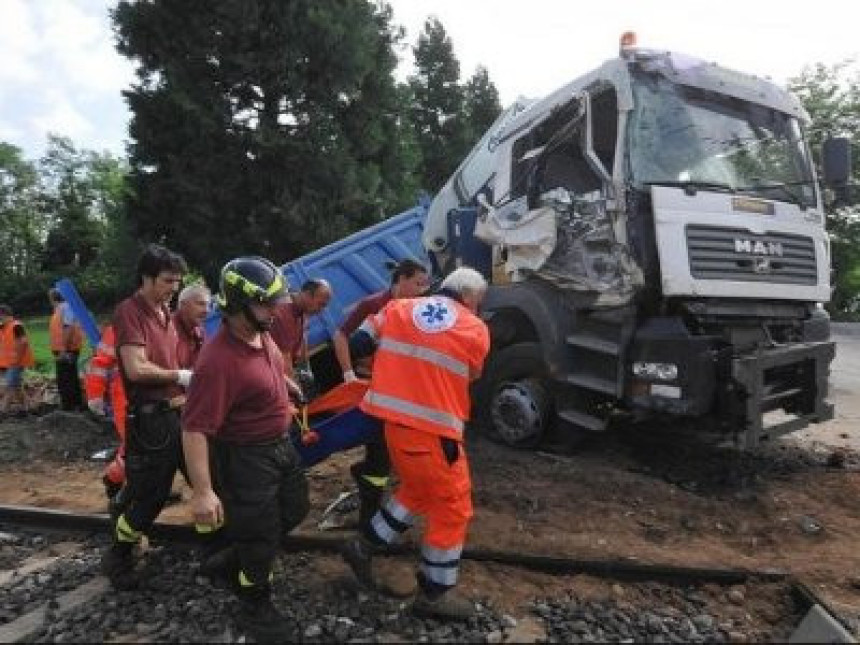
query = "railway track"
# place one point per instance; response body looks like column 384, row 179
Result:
column 62, row 542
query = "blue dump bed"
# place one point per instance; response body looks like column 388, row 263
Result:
column 355, row 266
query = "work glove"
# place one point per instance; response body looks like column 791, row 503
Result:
column 349, row 376
column 183, row 377
column 97, row 406
column 451, row 450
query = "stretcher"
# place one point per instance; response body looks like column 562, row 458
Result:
column 334, row 424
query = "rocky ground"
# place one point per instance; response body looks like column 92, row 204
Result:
column 649, row 494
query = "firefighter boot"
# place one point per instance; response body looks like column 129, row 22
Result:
column 119, row 566
column 369, row 497
column 386, row 577
column 222, row 569
column 261, row 619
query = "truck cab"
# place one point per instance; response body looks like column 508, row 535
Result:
column 654, row 236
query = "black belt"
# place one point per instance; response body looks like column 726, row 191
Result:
column 151, row 407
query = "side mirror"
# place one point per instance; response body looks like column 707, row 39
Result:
column 836, row 161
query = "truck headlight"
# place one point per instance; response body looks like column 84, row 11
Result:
column 656, row 371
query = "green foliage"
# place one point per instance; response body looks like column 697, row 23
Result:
column 831, row 95
column 63, row 217
column 262, row 126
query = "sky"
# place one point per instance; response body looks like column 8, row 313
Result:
column 60, row 73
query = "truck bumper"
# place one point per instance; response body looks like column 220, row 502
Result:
column 792, row 378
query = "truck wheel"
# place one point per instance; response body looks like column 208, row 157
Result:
column 513, row 405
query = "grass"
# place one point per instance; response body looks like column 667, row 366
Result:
column 40, row 341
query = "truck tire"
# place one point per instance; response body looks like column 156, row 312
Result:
column 512, row 403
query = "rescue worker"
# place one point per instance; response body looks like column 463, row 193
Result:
column 67, row 338
column 409, row 279
column 441, row 344
column 16, row 355
column 103, row 384
column 146, row 343
column 291, row 319
column 236, row 419
column 188, row 319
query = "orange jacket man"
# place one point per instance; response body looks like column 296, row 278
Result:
column 67, row 338
column 429, row 350
column 103, row 382
column 16, row 355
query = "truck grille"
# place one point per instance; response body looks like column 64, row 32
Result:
column 735, row 254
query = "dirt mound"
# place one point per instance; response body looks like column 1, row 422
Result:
column 57, row 435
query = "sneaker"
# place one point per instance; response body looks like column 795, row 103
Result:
column 375, row 574
column 119, row 566
column 261, row 620
column 448, row 606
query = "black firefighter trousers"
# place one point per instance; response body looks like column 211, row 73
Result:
column 265, row 496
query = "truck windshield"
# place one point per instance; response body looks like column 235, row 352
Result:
column 686, row 136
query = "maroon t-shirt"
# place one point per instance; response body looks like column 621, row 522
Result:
column 238, row 393
column 368, row 306
column 136, row 323
column 190, row 340
column 288, row 329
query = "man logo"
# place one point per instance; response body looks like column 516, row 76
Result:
column 761, row 265
column 758, row 247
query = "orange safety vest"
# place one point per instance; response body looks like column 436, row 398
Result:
column 56, row 333
column 427, row 349
column 103, row 373
column 8, row 350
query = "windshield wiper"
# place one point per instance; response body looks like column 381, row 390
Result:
column 783, row 187
column 691, row 186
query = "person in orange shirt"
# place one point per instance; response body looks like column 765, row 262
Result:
column 67, row 338
column 441, row 344
column 103, row 384
column 16, row 355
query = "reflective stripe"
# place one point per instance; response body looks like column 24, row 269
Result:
column 107, row 350
column 369, row 328
column 124, row 531
column 441, row 555
column 415, row 410
column 383, row 529
column 445, row 576
column 398, row 511
column 426, row 354
column 99, row 371
column 377, row 482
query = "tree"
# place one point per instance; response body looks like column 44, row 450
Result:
column 262, row 126
column 831, row 95
column 21, row 222
column 448, row 118
column 436, row 110
column 70, row 200
column 481, row 103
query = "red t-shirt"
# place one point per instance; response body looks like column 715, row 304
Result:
column 288, row 330
column 136, row 323
column 238, row 393
column 190, row 340
column 368, row 306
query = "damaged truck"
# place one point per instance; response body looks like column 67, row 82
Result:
column 654, row 237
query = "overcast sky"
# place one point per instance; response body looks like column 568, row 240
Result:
column 59, row 71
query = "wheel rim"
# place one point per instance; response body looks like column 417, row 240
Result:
column 519, row 411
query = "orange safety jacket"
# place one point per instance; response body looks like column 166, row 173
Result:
column 8, row 349
column 55, row 329
column 428, row 350
column 102, row 378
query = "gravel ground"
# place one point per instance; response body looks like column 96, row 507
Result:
column 178, row 605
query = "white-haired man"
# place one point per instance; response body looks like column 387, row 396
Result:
column 188, row 319
column 428, row 351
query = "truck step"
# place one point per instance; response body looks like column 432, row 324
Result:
column 778, row 396
column 593, row 383
column 582, row 420
column 594, row 344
